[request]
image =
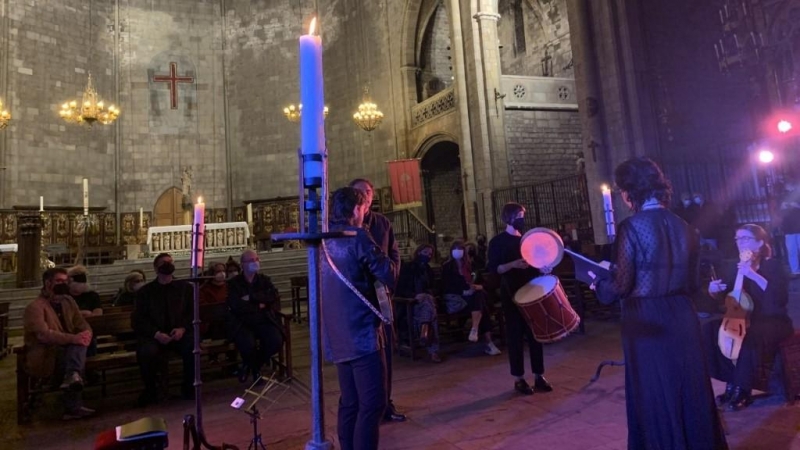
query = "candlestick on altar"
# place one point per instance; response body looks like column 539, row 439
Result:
column 85, row 196
column 141, row 217
column 41, row 203
column 249, row 213
column 608, row 212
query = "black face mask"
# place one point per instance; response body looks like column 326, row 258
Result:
column 519, row 224
column 60, row 289
column 166, row 269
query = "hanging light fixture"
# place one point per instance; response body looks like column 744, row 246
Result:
column 5, row 116
column 368, row 116
column 293, row 113
column 91, row 108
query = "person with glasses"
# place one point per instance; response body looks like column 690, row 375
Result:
column 253, row 323
column 769, row 323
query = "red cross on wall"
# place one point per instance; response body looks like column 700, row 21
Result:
column 173, row 79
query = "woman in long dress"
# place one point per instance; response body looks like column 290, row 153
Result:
column 670, row 403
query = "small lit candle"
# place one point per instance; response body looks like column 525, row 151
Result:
column 608, row 211
column 41, row 203
column 141, row 217
column 249, row 213
column 85, row 196
column 198, row 230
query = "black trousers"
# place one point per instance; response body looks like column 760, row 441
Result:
column 362, row 402
column 388, row 349
column 153, row 359
column 257, row 343
column 517, row 330
column 759, row 347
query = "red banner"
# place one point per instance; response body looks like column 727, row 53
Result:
column 406, row 184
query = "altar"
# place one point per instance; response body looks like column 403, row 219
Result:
column 219, row 238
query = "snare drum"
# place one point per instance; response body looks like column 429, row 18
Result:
column 545, row 307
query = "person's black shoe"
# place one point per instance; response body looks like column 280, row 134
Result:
column 242, row 373
column 392, row 415
column 523, row 387
column 740, row 400
column 726, row 396
column 540, row 384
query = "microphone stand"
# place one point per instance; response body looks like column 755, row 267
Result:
column 193, row 425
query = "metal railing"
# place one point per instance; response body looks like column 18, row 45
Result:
column 408, row 225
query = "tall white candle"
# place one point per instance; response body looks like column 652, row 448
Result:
column 608, row 211
column 85, row 196
column 41, row 203
column 141, row 217
column 198, row 232
column 312, row 121
column 249, row 213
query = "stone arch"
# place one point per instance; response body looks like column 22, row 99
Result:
column 443, row 187
column 432, row 140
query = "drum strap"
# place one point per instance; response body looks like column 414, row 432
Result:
column 387, row 315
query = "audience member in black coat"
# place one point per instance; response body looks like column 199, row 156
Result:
column 416, row 278
column 162, row 321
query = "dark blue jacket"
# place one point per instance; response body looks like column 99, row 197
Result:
column 380, row 228
column 350, row 329
column 453, row 282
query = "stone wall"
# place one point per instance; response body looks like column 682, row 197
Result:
column 442, row 172
column 542, row 145
column 436, row 62
column 534, row 35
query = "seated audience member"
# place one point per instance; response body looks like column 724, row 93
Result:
column 253, row 323
column 232, row 268
column 416, row 279
column 88, row 301
column 215, row 290
column 769, row 323
column 127, row 293
column 461, row 293
column 162, row 321
column 479, row 260
column 56, row 339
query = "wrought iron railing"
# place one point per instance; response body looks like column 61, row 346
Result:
column 561, row 204
column 408, row 225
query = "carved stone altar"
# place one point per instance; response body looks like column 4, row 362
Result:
column 219, row 238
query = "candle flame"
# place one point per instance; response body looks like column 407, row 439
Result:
column 199, row 200
column 312, row 26
column 605, row 188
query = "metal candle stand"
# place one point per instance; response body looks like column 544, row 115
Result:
column 193, row 425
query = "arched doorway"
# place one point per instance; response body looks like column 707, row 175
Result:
column 169, row 208
column 444, row 195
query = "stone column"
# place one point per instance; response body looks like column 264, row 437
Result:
column 29, row 241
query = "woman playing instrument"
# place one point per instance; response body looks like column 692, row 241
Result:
column 416, row 281
column 461, row 292
column 766, row 285
column 670, row 403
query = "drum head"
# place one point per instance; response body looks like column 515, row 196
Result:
column 542, row 247
column 535, row 290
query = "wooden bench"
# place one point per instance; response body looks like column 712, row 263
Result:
column 116, row 350
column 4, row 348
column 785, row 370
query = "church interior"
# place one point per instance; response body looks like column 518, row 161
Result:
column 119, row 117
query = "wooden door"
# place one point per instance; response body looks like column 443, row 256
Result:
column 168, row 209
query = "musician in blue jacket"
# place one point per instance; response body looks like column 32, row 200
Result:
column 766, row 283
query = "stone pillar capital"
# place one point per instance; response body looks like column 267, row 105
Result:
column 486, row 16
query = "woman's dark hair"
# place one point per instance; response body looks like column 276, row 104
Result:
column 642, row 179
column 765, row 252
column 421, row 248
column 510, row 210
column 344, row 202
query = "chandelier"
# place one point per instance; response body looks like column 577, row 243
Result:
column 5, row 116
column 368, row 116
column 293, row 113
column 91, row 109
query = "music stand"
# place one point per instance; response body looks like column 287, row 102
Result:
column 270, row 392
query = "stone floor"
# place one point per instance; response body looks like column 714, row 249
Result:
column 464, row 403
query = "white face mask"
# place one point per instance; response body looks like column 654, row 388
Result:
column 219, row 276
column 457, row 253
column 686, row 203
column 252, row 267
column 232, row 275
column 137, row 286
column 698, row 200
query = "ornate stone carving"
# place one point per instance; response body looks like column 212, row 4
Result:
column 546, row 93
column 438, row 105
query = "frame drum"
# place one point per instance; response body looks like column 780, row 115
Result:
column 545, row 307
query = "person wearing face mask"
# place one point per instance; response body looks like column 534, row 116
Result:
column 88, row 300
column 687, row 210
column 56, row 340
column 162, row 321
column 708, row 221
column 215, row 290
column 127, row 294
column 506, row 261
column 415, row 282
column 232, row 268
column 767, row 285
column 461, row 293
column 479, row 260
column 253, row 324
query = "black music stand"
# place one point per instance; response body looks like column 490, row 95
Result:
column 271, row 391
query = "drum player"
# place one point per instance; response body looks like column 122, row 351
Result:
column 506, row 261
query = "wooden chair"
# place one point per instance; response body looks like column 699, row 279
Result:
column 4, row 349
column 297, row 285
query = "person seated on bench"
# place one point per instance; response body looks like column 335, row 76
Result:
column 232, row 268
column 460, row 294
column 127, row 293
column 56, row 338
column 213, row 292
column 162, row 321
column 767, row 284
column 253, row 301
column 88, row 300
column 416, row 279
